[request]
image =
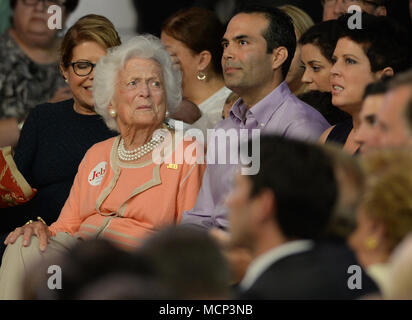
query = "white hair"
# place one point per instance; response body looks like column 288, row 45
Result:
column 108, row 67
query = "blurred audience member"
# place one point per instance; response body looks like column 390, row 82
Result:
column 231, row 99
column 410, row 8
column 278, row 214
column 189, row 263
column 96, row 270
column 350, row 179
column 384, row 216
column 150, row 18
column 395, row 116
column 400, row 280
column 363, row 56
column 56, row 136
column 366, row 135
column 192, row 36
column 29, row 64
column 5, row 14
column 301, row 22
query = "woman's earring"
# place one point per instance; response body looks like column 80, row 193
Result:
column 371, row 243
column 112, row 113
column 201, row 76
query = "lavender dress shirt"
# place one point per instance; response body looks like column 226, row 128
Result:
column 280, row 113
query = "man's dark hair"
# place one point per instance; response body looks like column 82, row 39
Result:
column 280, row 31
column 70, row 5
column 189, row 263
column 302, row 179
column 384, row 41
column 376, row 88
column 323, row 35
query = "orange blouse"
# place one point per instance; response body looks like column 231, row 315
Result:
column 124, row 203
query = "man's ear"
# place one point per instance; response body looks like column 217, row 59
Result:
column 205, row 57
column 279, row 56
column 267, row 203
column 387, row 72
column 64, row 72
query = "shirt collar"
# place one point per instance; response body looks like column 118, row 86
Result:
column 264, row 109
column 264, row 261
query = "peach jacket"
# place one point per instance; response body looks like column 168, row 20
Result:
column 124, row 203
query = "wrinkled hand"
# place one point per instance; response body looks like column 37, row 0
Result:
column 238, row 258
column 61, row 94
column 37, row 228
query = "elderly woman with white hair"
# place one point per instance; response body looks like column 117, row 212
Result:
column 123, row 191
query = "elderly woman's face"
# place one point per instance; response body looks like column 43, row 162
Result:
column 140, row 97
column 31, row 23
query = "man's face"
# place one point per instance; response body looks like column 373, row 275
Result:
column 247, row 67
column 367, row 134
column 241, row 206
column 393, row 128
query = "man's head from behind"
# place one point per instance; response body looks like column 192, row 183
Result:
column 292, row 196
column 395, row 116
column 258, row 48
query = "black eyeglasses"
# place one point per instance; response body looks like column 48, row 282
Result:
column 82, row 68
column 48, row 3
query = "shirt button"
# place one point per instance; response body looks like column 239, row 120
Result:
column 262, row 125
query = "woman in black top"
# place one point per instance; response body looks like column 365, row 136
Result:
column 56, row 136
column 363, row 56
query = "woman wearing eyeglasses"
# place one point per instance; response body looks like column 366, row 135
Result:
column 56, row 136
column 29, row 73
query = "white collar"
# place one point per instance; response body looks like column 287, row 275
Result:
column 264, row 261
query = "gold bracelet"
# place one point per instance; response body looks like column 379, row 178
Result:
column 42, row 221
column 29, row 222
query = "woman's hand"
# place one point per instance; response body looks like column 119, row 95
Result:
column 37, row 228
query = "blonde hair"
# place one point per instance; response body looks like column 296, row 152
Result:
column 301, row 23
column 91, row 27
column 388, row 193
column 301, row 20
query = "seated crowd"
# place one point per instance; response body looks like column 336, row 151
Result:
column 281, row 149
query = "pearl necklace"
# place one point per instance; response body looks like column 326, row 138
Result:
column 140, row 151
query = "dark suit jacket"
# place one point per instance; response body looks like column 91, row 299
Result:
column 321, row 273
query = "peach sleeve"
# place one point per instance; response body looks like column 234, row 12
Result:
column 190, row 184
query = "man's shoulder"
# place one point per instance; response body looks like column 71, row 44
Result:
column 297, row 107
column 313, row 274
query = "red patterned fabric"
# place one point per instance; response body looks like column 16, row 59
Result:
column 14, row 189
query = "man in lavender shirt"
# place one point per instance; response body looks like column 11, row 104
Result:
column 258, row 48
